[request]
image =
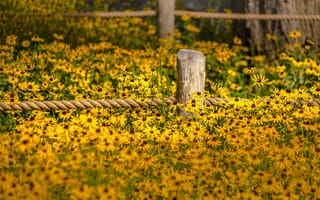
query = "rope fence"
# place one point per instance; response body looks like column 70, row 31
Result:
column 128, row 103
column 190, row 80
column 150, row 13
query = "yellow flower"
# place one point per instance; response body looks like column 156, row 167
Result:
column 271, row 37
column 29, row 86
column 185, row 17
column 259, row 80
column 11, row 40
column 88, row 121
column 58, row 37
column 37, row 39
column 283, row 55
column 241, row 63
column 11, row 98
column 301, row 93
column 220, row 90
column 213, row 140
column 315, row 90
column 13, row 79
column 234, row 86
column 192, row 28
column 237, row 41
column 259, row 58
column 107, row 193
column 268, row 36
column 294, row 34
column 274, row 38
column 25, row 43
column 249, row 70
column 81, row 192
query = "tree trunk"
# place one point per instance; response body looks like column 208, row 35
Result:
column 280, row 29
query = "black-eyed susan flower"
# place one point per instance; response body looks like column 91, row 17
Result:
column 259, row 80
column 237, row 41
column 13, row 79
column 25, row 43
column 11, row 40
column 268, row 36
column 301, row 93
column 58, row 37
column 250, row 70
column 315, row 90
column 82, row 191
column 29, row 86
column 185, row 17
column 192, row 28
column 294, row 34
column 36, row 38
column 88, row 121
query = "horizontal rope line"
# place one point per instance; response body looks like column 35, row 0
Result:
column 112, row 14
column 247, row 16
column 233, row 16
column 125, row 103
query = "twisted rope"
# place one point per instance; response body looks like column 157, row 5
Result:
column 112, row 14
column 247, row 16
column 85, row 104
column 125, row 103
column 233, row 16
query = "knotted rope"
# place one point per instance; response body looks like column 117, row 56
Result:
column 126, row 103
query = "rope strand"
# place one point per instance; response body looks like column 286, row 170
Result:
column 233, row 16
column 124, row 103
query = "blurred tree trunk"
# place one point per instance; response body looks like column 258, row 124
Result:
column 259, row 28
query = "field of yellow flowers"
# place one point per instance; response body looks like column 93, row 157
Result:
column 242, row 149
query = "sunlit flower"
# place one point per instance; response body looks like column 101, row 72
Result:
column 237, row 41
column 192, row 28
column 259, row 58
column 29, row 86
column 259, row 80
column 25, row 43
column 36, row 38
column 58, row 37
column 13, row 79
column 315, row 90
column 250, row 70
column 88, row 121
column 294, row 34
column 185, row 17
column 11, row 40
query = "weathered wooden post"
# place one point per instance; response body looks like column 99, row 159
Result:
column 191, row 74
column 165, row 13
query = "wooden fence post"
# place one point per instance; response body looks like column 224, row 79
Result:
column 165, row 14
column 191, row 74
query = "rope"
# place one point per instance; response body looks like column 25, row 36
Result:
column 233, row 16
column 112, row 14
column 125, row 103
column 247, row 16
column 85, row 104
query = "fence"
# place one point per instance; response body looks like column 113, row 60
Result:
column 150, row 13
column 191, row 64
column 166, row 13
column 190, row 80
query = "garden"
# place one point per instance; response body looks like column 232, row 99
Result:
column 261, row 144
